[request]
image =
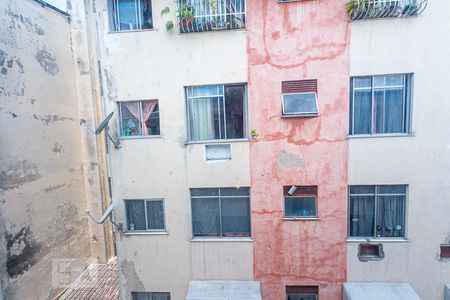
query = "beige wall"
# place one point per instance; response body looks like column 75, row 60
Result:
column 156, row 64
column 46, row 180
column 418, row 45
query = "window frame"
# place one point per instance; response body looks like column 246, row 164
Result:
column 408, row 89
column 245, row 113
column 150, row 294
column 145, row 211
column 298, row 114
column 112, row 17
column 302, row 290
column 142, row 124
column 375, row 194
column 219, row 198
column 316, row 216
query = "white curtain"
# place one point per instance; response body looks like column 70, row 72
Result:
column 202, row 119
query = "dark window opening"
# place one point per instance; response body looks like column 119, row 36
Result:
column 368, row 252
column 302, row 292
column 130, row 15
column 300, row 202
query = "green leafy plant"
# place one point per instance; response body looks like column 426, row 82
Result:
column 169, row 25
column 254, row 136
column 165, row 11
column 354, row 5
column 186, row 13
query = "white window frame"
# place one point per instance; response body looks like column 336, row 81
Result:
column 145, row 210
column 299, row 114
column 114, row 16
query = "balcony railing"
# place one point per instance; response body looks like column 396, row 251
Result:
column 210, row 15
column 373, row 9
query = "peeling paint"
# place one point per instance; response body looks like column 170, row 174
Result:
column 132, row 280
column 57, row 148
column 47, row 61
column 287, row 160
column 48, row 119
column 53, row 188
column 17, row 174
column 29, row 25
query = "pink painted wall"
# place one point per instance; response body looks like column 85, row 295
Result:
column 294, row 41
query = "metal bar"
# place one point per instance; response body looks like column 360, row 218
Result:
column 45, row 4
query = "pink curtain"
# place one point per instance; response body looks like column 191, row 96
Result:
column 147, row 109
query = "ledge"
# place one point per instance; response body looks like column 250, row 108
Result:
column 131, row 31
column 129, row 233
column 196, row 240
column 207, row 142
column 140, row 137
column 380, row 240
column 301, row 219
column 381, row 135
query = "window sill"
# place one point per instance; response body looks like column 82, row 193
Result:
column 128, row 233
column 249, row 239
column 244, row 140
column 299, row 116
column 381, row 135
column 130, row 31
column 140, row 137
column 379, row 240
column 301, row 219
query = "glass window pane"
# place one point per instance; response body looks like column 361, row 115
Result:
column 161, row 296
column 234, row 111
column 205, row 192
column 363, row 82
column 130, row 118
column 207, row 90
column 150, row 114
column 362, row 189
column 155, row 215
column 301, row 297
column 362, row 216
column 300, row 104
column 235, row 217
column 204, row 118
column 390, row 216
column 243, row 191
column 127, row 14
column 205, row 216
column 391, row 189
column 389, row 111
column 136, row 214
column 300, row 207
column 146, row 14
column 362, row 114
column 141, row 296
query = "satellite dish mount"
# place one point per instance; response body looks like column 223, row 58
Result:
column 105, row 127
column 107, row 213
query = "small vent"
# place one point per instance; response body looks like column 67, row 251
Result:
column 368, row 252
column 445, row 251
column 299, row 86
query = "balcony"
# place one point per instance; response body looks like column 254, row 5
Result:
column 210, row 15
column 375, row 9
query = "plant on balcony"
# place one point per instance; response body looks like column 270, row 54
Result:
column 186, row 15
column 353, row 6
column 169, row 24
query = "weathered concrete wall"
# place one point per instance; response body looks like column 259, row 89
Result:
column 415, row 45
column 156, row 64
column 42, row 186
column 294, row 41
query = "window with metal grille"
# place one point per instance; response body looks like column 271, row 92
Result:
column 210, row 15
column 300, row 202
column 145, row 215
column 221, row 212
column 139, row 118
column 302, row 292
column 380, row 104
column 150, row 296
column 299, row 98
column 377, row 211
column 128, row 15
column 216, row 112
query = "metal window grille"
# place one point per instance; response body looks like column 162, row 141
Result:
column 373, row 9
column 210, row 15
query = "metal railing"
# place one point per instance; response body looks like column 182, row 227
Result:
column 373, row 9
column 210, row 15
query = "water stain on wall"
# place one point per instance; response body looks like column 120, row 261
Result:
column 16, row 174
column 21, row 249
column 47, row 61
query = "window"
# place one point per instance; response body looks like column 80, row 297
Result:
column 216, row 112
column 377, row 211
column 445, row 250
column 149, row 296
column 300, row 202
column 368, row 252
column 380, row 104
column 221, row 212
column 130, row 15
column 299, row 98
column 210, row 15
column 302, row 293
column 145, row 215
column 139, row 118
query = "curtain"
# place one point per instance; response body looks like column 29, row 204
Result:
column 147, row 109
column 160, row 296
column 389, row 111
column 155, row 215
column 136, row 215
column 235, row 216
column 205, row 216
column 202, row 118
column 391, row 216
column 362, row 112
column 133, row 108
column 362, row 211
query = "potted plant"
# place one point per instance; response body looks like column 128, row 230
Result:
column 186, row 17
